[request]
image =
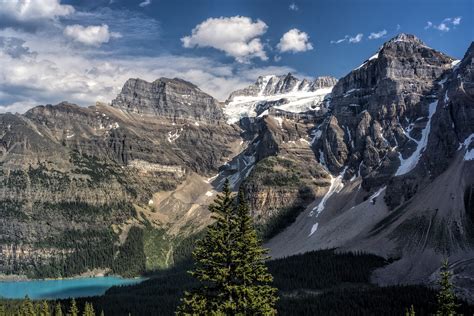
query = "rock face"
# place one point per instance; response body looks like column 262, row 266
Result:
column 171, row 98
column 379, row 104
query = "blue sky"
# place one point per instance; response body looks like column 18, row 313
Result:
column 83, row 51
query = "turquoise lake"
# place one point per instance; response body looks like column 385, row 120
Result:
column 52, row 289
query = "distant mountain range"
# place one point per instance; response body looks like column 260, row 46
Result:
column 381, row 160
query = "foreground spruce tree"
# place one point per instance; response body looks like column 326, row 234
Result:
column 230, row 265
column 58, row 310
column 446, row 298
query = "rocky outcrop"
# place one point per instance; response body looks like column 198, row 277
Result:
column 171, row 98
column 380, row 103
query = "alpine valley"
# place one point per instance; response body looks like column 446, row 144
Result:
column 380, row 161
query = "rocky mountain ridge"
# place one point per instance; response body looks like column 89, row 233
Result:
column 286, row 93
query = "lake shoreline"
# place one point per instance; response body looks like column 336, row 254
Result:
column 96, row 273
column 62, row 288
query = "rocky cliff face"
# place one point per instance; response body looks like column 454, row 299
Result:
column 381, row 107
column 171, row 98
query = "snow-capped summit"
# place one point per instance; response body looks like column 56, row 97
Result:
column 285, row 92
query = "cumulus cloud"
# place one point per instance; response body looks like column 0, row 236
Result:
column 293, row 7
column 93, row 35
column 356, row 39
column 350, row 39
column 145, row 3
column 29, row 78
column 445, row 25
column 27, row 13
column 237, row 36
column 377, row 35
column 294, row 41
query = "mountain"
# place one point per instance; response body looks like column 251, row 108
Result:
column 69, row 172
column 171, row 98
column 380, row 161
column 399, row 137
column 285, row 93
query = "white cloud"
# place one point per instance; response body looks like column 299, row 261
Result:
column 377, row 35
column 442, row 27
column 145, row 3
column 398, row 27
column 356, row 39
column 457, row 20
column 93, row 35
column 293, row 7
column 339, row 41
column 294, row 41
column 237, row 36
column 28, row 10
column 350, row 39
column 53, row 72
column 445, row 25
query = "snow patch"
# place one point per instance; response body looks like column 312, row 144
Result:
column 174, row 136
column 316, row 136
column 376, row 194
column 406, row 165
column 296, row 102
column 336, row 187
column 313, row 229
column 375, row 56
column 469, row 155
column 209, row 193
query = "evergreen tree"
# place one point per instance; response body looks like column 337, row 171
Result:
column 27, row 308
column 2, row 310
column 44, row 309
column 102, row 313
column 410, row 312
column 88, row 310
column 58, row 310
column 73, row 310
column 229, row 265
column 446, row 298
column 251, row 278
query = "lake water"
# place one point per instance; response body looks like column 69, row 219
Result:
column 52, row 289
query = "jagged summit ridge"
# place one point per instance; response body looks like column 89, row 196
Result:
column 408, row 38
column 286, row 93
column 273, row 85
column 171, row 98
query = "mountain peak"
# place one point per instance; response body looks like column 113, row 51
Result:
column 173, row 98
column 407, row 38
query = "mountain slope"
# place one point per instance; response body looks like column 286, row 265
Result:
column 406, row 165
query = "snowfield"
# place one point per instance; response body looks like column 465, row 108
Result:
column 296, row 101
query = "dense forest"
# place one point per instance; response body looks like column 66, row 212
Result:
column 315, row 283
